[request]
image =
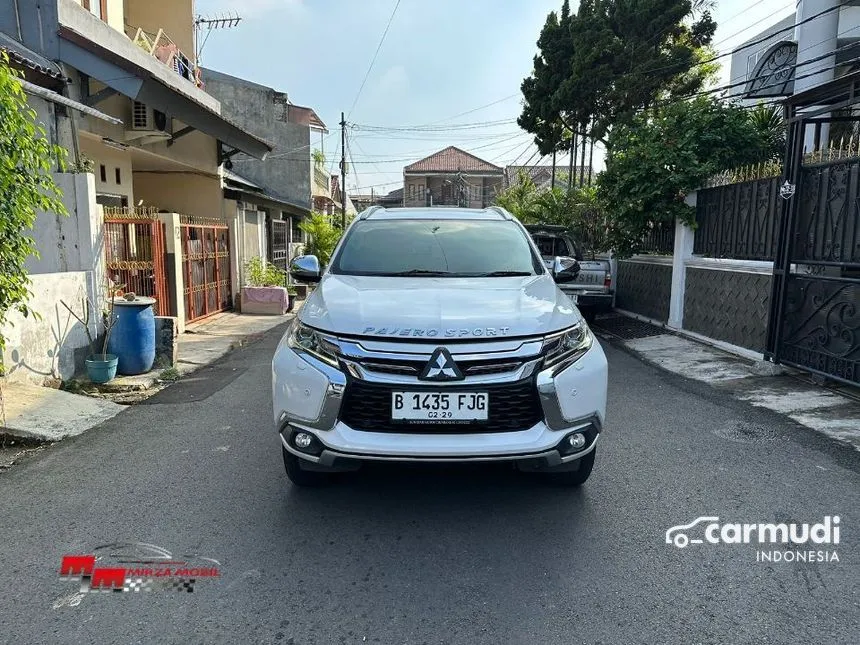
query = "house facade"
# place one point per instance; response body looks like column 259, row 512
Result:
column 119, row 88
column 271, row 197
column 451, row 177
column 542, row 175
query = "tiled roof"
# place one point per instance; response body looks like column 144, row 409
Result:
column 452, row 159
column 25, row 57
column 541, row 175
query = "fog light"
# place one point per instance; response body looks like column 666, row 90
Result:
column 576, row 440
column 303, row 440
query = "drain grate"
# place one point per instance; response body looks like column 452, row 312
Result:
column 625, row 327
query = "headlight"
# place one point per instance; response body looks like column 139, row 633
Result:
column 567, row 347
column 307, row 339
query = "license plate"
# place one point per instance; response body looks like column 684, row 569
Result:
column 439, row 406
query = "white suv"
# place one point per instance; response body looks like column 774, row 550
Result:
column 438, row 335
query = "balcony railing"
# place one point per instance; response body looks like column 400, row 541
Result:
column 161, row 47
column 322, row 179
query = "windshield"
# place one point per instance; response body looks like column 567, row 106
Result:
column 551, row 246
column 430, row 247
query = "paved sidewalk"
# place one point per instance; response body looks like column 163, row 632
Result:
column 206, row 341
column 44, row 414
column 825, row 410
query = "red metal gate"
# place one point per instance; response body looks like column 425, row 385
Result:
column 206, row 269
column 134, row 254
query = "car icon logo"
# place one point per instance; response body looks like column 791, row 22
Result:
column 680, row 539
column 441, row 367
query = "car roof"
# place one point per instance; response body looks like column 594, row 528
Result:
column 437, row 212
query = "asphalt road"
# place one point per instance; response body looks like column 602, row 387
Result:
column 414, row 555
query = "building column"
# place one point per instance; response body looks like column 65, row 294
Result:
column 815, row 40
column 683, row 251
column 174, row 267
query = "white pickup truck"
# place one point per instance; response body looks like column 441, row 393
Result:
column 592, row 290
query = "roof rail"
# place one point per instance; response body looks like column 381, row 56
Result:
column 370, row 211
column 501, row 211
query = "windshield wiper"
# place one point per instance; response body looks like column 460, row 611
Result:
column 502, row 274
column 427, row 272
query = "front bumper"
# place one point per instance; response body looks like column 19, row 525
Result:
column 307, row 395
column 590, row 299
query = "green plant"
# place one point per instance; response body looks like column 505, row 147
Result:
column 259, row 273
column 108, row 320
column 318, row 156
column 323, row 236
column 26, row 187
column 292, row 290
column 169, row 374
column 83, row 165
column 654, row 162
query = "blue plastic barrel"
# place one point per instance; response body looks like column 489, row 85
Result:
column 133, row 337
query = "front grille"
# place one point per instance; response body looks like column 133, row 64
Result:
column 414, row 368
column 512, row 406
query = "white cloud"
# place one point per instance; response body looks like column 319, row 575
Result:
column 394, row 78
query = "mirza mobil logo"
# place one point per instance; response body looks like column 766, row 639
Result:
column 776, row 542
column 136, row 567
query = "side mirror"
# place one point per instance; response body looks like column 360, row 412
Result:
column 305, row 268
column 565, row 269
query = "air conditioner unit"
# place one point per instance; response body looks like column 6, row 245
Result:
column 144, row 117
column 147, row 123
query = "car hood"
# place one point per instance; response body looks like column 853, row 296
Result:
column 426, row 307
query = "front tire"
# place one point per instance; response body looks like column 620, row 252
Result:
column 574, row 478
column 300, row 477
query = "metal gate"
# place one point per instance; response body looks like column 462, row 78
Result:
column 206, row 269
column 279, row 243
column 815, row 308
column 134, row 254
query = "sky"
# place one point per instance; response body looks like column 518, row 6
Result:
column 442, row 63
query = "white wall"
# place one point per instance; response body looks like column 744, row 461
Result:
column 46, row 346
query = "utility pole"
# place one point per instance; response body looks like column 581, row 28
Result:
column 342, row 172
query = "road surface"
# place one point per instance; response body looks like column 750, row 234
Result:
column 416, row 555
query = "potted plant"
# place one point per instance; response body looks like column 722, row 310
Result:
column 264, row 291
column 101, row 367
column 291, row 292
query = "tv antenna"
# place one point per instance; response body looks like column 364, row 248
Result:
column 210, row 24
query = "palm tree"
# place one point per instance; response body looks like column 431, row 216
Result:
column 768, row 122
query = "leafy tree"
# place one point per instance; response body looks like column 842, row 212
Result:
column 653, row 162
column 322, row 236
column 519, row 198
column 769, row 123
column 612, row 59
column 26, row 187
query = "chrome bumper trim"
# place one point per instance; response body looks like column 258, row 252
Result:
column 328, row 456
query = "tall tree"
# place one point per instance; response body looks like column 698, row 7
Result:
column 612, row 59
column 27, row 159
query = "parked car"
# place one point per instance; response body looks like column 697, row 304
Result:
column 592, row 291
column 438, row 335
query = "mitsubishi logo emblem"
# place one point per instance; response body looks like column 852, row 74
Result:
column 441, row 367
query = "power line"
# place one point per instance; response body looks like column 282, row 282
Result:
column 750, row 44
column 373, row 60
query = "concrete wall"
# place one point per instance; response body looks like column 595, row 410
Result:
column 180, row 192
column 286, row 173
column 115, row 11
column 728, row 305
column 74, row 242
column 644, row 286
column 112, row 160
column 176, row 17
column 38, row 25
column 54, row 344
